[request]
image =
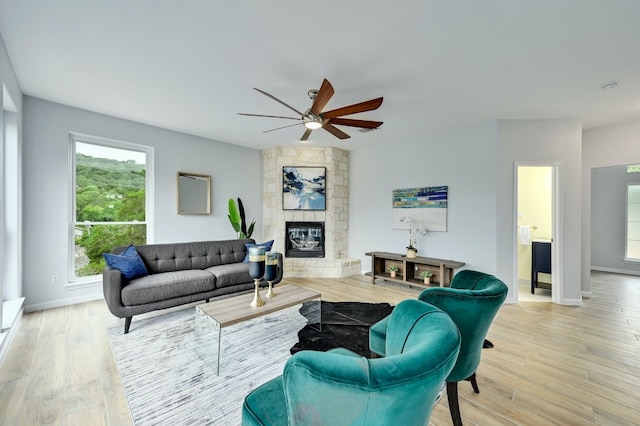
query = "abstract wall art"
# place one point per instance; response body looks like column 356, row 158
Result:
column 426, row 206
column 304, row 188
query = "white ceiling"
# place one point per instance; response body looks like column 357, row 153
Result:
column 191, row 65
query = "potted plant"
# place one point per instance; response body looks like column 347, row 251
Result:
column 393, row 269
column 414, row 229
column 426, row 275
column 238, row 220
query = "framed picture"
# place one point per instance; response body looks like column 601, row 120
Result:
column 303, row 188
column 426, row 206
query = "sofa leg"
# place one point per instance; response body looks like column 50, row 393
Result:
column 454, row 407
column 206, row 301
column 127, row 324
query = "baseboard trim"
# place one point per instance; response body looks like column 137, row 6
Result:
column 62, row 302
column 615, row 270
column 572, row 302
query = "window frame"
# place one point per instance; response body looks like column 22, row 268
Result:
column 74, row 138
column 627, row 258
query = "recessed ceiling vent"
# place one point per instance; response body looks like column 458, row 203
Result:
column 607, row 87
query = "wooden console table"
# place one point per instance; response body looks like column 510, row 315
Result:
column 411, row 268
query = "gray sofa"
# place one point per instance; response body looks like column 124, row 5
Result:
column 179, row 273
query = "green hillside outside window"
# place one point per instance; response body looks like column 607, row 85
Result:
column 109, row 201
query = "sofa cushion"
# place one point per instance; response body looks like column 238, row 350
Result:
column 195, row 255
column 168, row 285
column 231, row 274
column 128, row 263
column 267, row 246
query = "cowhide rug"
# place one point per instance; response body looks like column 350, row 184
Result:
column 344, row 324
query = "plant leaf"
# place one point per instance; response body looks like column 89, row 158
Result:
column 234, row 215
column 250, row 230
column 234, row 225
column 243, row 224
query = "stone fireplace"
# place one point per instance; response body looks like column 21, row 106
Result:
column 335, row 218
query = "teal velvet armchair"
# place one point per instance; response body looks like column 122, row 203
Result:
column 339, row 387
column 472, row 302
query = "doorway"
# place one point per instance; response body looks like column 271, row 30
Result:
column 536, row 246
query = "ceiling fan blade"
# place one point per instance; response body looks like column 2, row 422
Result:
column 306, row 135
column 269, row 116
column 335, row 131
column 363, row 124
column 283, row 127
column 322, row 98
column 278, row 100
column 353, row 109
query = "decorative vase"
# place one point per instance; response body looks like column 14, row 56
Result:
column 411, row 253
column 271, row 271
column 256, row 271
column 393, row 274
column 427, row 280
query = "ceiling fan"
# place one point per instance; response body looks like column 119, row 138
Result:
column 314, row 118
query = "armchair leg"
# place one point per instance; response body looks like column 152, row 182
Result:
column 474, row 383
column 454, row 407
column 127, row 324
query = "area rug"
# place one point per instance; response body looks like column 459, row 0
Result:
column 167, row 382
column 344, row 324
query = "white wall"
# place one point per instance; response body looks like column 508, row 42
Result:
column 235, row 172
column 603, row 147
column 542, row 141
column 477, row 163
column 462, row 158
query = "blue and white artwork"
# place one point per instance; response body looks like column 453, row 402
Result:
column 426, row 206
column 303, row 188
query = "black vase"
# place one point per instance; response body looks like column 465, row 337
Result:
column 256, row 271
column 271, row 271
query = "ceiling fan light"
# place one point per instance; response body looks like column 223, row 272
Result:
column 312, row 125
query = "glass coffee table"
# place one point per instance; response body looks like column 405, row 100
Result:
column 213, row 317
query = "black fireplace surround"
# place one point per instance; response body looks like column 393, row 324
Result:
column 304, row 239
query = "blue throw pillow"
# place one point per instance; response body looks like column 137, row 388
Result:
column 128, row 263
column 267, row 245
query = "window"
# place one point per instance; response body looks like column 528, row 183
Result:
column 110, row 200
column 632, row 252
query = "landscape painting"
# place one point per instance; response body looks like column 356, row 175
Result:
column 426, row 206
column 303, row 188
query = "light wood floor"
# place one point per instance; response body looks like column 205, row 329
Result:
column 550, row 365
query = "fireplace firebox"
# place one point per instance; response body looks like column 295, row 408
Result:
column 304, row 239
